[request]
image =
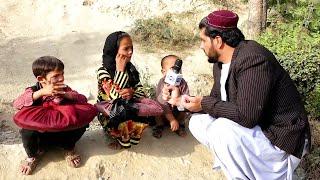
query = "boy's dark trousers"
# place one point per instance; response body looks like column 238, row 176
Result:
column 35, row 140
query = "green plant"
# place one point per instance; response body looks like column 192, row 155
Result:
column 305, row 11
column 150, row 88
column 296, row 45
column 304, row 69
column 313, row 105
column 293, row 36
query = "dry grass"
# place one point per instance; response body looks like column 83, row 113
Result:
column 311, row 163
column 88, row 2
column 168, row 32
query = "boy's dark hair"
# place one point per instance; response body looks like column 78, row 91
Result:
column 232, row 37
column 43, row 65
column 167, row 56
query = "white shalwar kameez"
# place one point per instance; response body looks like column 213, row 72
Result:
column 242, row 153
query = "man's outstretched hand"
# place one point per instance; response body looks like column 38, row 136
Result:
column 193, row 104
column 171, row 94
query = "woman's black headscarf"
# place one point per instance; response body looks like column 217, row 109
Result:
column 110, row 50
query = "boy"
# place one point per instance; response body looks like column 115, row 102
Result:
column 171, row 115
column 49, row 90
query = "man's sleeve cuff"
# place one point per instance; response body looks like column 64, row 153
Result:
column 208, row 103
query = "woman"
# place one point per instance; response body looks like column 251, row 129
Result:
column 121, row 98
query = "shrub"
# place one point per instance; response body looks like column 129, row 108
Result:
column 313, row 105
column 296, row 45
column 150, row 88
column 294, row 37
column 170, row 31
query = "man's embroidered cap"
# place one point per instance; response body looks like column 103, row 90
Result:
column 223, row 19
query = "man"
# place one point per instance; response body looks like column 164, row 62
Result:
column 253, row 120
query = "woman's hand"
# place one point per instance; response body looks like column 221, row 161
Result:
column 121, row 62
column 126, row 93
column 107, row 85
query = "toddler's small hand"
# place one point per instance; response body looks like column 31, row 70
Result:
column 174, row 125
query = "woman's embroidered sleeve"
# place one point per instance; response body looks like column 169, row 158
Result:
column 139, row 91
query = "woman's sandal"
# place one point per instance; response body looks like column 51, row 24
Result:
column 28, row 165
column 157, row 131
column 135, row 140
column 73, row 159
column 124, row 144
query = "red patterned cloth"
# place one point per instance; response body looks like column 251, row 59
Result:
column 48, row 116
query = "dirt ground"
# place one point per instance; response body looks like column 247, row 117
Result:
column 75, row 34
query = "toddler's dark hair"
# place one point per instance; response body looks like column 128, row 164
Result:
column 167, row 56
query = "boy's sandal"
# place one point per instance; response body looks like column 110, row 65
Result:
column 31, row 163
column 124, row 144
column 71, row 157
column 157, row 131
column 28, row 165
column 181, row 131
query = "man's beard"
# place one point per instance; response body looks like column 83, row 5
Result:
column 212, row 59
